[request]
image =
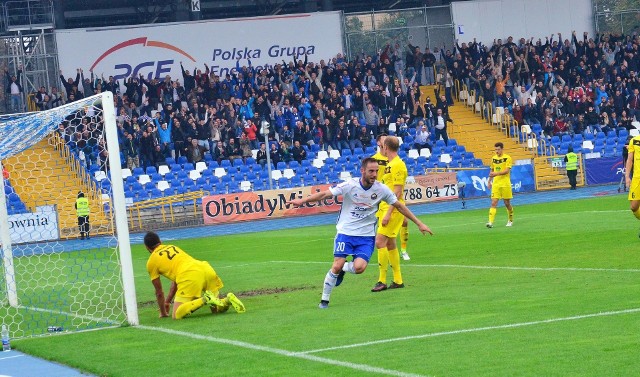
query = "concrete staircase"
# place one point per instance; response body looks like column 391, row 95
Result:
column 477, row 135
column 480, row 136
column 43, row 176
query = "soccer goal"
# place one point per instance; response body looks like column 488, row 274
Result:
column 60, row 270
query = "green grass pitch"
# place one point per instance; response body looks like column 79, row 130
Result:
column 555, row 295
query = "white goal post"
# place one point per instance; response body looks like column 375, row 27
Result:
column 62, row 268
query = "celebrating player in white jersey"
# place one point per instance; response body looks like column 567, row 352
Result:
column 357, row 223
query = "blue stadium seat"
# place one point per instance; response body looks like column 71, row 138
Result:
column 308, row 179
column 468, row 156
column 208, row 188
column 566, row 139
column 370, row 151
column 536, row 128
column 237, row 162
column 225, row 164
column 182, row 160
column 137, row 171
column 622, row 135
column 295, row 181
column 155, row 193
column 151, row 170
column 294, row 164
column 188, row 167
column 213, row 165
column 182, row 175
column 609, row 151
column 130, row 180
column 258, row 185
column 175, row 168
column 281, row 165
column 321, row 178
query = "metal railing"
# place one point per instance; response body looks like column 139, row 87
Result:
column 166, row 206
column 27, row 15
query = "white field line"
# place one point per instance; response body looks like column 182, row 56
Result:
column 580, row 269
column 516, row 268
column 11, row 357
column 281, row 352
column 90, row 318
column 472, row 330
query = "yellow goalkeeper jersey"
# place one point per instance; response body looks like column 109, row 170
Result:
column 168, row 261
column 501, row 163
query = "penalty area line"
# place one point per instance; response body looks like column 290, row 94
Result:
column 473, row 330
column 281, row 352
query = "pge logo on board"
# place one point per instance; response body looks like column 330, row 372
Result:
column 150, row 69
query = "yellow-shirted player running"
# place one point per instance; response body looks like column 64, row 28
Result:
column 389, row 219
column 382, row 163
column 633, row 162
column 189, row 279
column 500, row 184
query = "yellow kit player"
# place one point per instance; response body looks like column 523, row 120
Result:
column 500, row 184
column 389, row 219
column 189, row 279
column 382, row 163
column 633, row 162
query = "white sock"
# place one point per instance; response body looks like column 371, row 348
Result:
column 329, row 283
column 348, row 267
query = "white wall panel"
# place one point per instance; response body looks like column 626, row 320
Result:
column 487, row 20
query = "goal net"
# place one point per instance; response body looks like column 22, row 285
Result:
column 66, row 258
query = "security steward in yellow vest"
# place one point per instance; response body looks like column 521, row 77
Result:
column 82, row 211
column 571, row 162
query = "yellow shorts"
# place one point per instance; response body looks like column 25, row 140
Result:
column 393, row 227
column 194, row 280
column 634, row 189
column 501, row 192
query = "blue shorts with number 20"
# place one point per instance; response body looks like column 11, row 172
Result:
column 358, row 246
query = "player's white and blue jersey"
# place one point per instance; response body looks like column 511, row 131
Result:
column 357, row 220
column 359, row 205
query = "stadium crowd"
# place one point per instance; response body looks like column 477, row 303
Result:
column 567, row 85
